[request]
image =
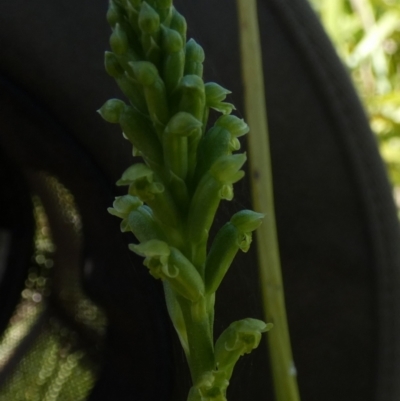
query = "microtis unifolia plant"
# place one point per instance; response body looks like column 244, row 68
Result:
column 187, row 169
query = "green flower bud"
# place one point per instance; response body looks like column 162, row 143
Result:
column 194, row 58
column 164, row 8
column 119, row 40
column 247, row 220
column 171, row 41
column 239, row 338
column 178, row 23
column 215, row 94
column 183, row 124
column 230, row 238
column 168, row 263
column 112, row 65
column 227, row 168
column 180, row 127
column 145, row 72
column 154, row 89
column 111, row 110
column 191, row 90
column 213, row 145
column 114, row 14
column 149, row 20
column 214, row 186
column 235, row 125
column 174, row 58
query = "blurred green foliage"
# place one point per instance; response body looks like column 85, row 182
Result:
column 366, row 34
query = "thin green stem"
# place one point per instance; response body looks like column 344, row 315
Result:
column 284, row 373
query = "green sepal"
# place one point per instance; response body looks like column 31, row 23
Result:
column 215, row 94
column 247, row 220
column 114, row 14
column 130, row 87
column 142, row 224
column 143, row 184
column 194, row 58
column 164, row 9
column 140, row 179
column 119, row 40
column 112, row 65
column 111, row 110
column 233, row 236
column 236, row 126
column 192, row 96
column 149, row 20
column 214, row 144
column 154, row 89
column 168, row 263
column 215, row 185
column 174, row 58
column 239, row 338
column 142, row 136
column 226, row 169
column 175, row 313
column 122, row 207
column 178, row 23
column 181, row 126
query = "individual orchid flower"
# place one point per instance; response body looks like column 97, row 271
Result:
column 123, row 206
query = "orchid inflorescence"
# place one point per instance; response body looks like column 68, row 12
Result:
column 187, row 170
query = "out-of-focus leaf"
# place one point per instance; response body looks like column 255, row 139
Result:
column 383, row 29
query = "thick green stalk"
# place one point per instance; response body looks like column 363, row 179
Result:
column 284, row 373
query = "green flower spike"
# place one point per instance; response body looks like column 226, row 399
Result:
column 167, row 263
column 122, row 207
column 215, row 94
column 173, row 195
column 233, row 236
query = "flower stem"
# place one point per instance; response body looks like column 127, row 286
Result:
column 283, row 370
